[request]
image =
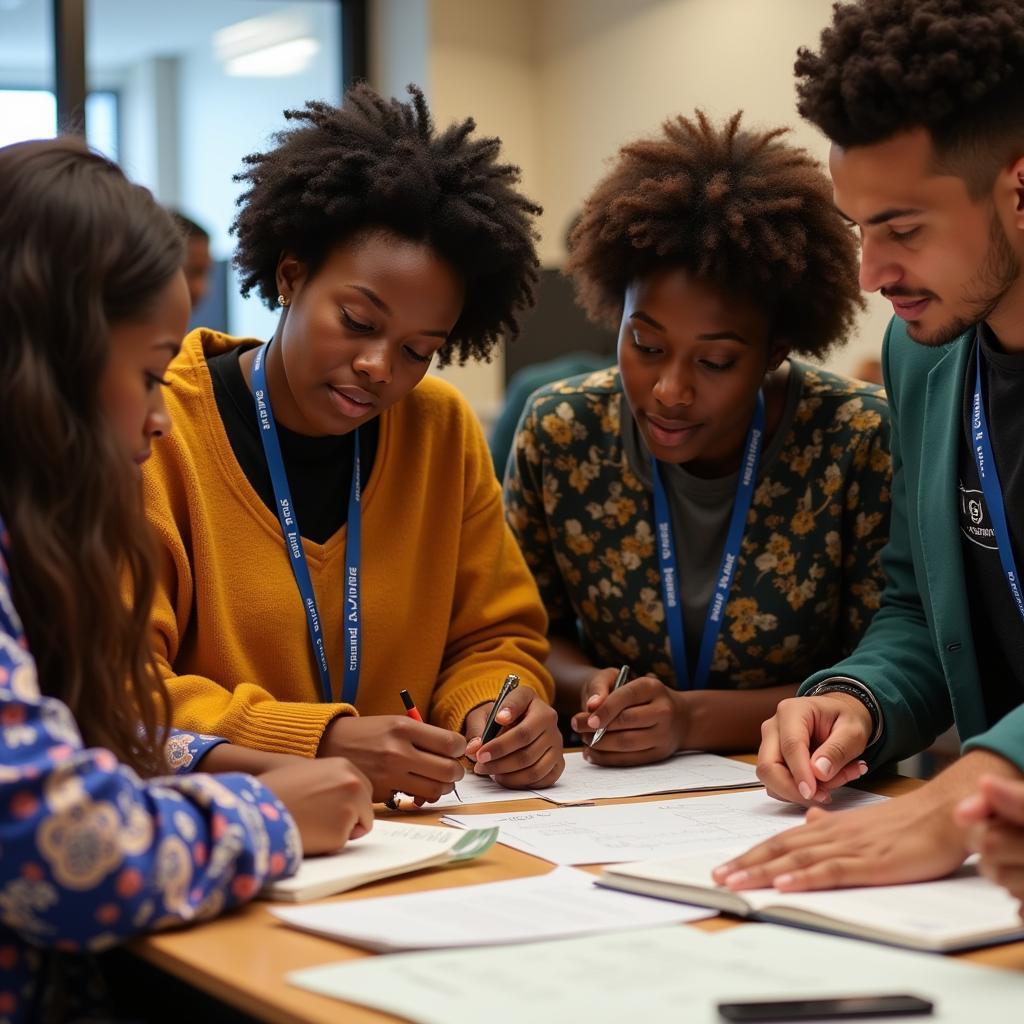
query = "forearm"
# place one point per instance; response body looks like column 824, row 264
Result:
column 229, row 757
column 571, row 669
column 961, row 778
column 730, row 719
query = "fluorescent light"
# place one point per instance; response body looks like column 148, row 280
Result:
column 276, row 61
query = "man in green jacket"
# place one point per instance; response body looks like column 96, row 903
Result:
column 923, row 101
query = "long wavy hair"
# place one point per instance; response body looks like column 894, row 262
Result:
column 81, row 249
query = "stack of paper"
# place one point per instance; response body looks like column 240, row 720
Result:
column 663, row 974
column 562, row 903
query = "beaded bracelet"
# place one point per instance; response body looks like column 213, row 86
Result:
column 863, row 694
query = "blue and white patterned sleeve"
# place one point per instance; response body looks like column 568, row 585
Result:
column 184, row 750
column 90, row 854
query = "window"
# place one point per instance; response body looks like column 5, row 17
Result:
column 32, row 114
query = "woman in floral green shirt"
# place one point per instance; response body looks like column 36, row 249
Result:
column 717, row 252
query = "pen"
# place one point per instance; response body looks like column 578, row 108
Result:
column 620, row 679
column 411, row 711
column 491, row 726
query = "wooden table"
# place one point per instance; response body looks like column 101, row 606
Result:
column 242, row 959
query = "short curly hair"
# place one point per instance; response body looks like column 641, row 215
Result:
column 954, row 67
column 378, row 164
column 738, row 209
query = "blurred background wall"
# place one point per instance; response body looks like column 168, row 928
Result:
column 181, row 92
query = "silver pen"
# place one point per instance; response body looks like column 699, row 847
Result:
column 491, row 727
column 622, row 677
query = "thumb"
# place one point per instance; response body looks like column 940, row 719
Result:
column 515, row 705
column 1005, row 797
column 971, row 810
column 844, row 744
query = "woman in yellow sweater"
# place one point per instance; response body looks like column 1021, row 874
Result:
column 331, row 525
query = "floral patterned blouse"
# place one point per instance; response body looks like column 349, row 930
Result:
column 91, row 855
column 808, row 578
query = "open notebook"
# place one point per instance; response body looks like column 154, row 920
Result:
column 392, row 848
column 960, row 912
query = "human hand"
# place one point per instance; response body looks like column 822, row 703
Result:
column 644, row 718
column 329, row 798
column 906, row 839
column 527, row 753
column 994, row 820
column 398, row 754
column 812, row 745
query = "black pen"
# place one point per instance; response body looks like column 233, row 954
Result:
column 491, row 726
column 620, row 679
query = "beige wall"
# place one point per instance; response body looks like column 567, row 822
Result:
column 483, row 62
column 566, row 82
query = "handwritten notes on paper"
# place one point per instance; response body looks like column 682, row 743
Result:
column 617, row 833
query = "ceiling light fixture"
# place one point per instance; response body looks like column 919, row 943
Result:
column 271, row 46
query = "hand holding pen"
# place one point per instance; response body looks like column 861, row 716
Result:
column 398, row 753
column 629, row 722
column 411, row 711
column 621, row 678
column 515, row 739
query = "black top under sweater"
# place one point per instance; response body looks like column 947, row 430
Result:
column 995, row 621
column 319, row 469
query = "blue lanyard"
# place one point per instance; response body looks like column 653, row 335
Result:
column 293, row 543
column 985, row 461
column 727, row 569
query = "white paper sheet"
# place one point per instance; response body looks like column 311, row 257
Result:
column 582, row 782
column 663, row 974
column 616, row 833
column 685, row 773
column 561, row 903
column 474, row 789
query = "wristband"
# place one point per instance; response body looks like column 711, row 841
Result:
column 858, row 690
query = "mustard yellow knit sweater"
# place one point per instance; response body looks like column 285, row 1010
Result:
column 449, row 606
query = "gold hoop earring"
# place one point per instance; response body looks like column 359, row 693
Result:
column 282, row 301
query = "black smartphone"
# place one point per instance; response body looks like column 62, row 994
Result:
column 845, row 1008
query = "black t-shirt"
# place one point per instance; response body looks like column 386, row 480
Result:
column 319, row 469
column 995, row 621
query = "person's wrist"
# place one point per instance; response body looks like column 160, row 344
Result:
column 961, row 779
column 331, row 742
column 856, row 694
column 931, row 806
column 856, row 706
column 686, row 712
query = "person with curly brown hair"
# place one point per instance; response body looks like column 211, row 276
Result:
column 332, row 528
column 710, row 511
column 923, row 101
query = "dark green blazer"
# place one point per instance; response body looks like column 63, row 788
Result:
column 918, row 654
